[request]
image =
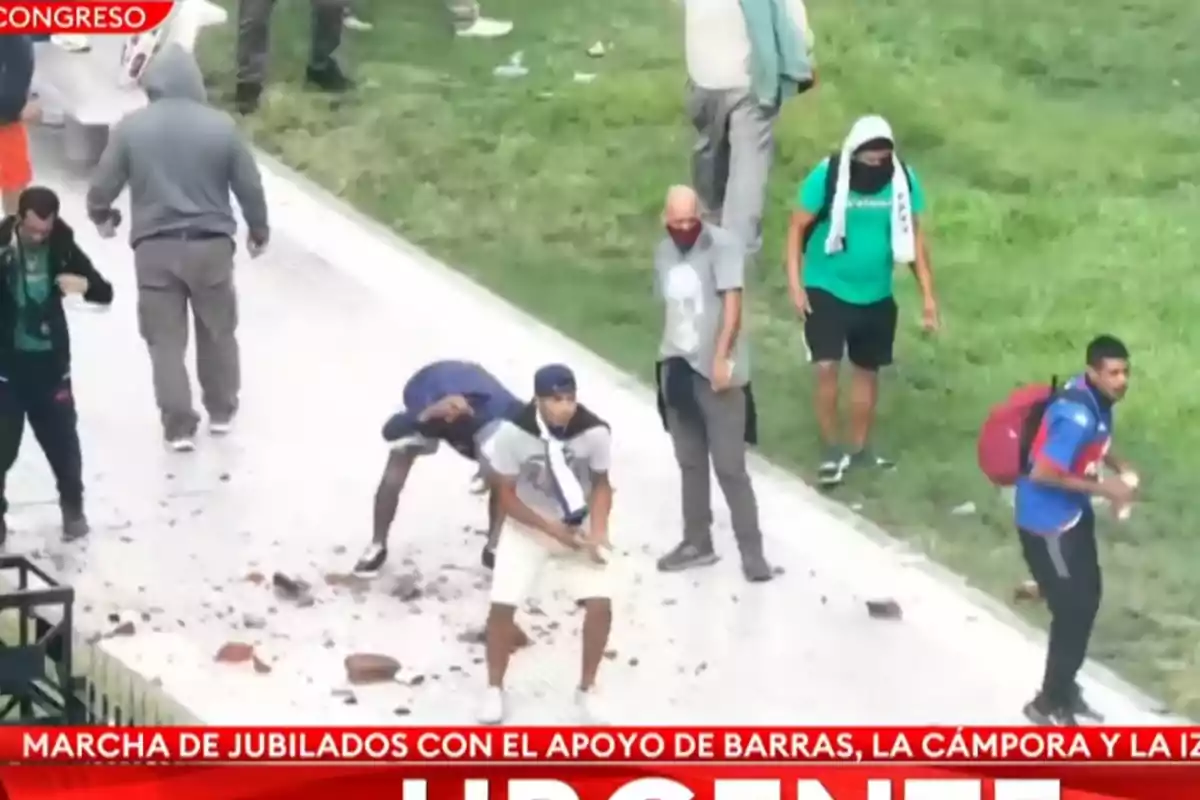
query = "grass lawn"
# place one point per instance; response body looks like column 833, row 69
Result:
column 1058, row 146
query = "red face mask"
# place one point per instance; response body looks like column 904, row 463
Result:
column 685, row 238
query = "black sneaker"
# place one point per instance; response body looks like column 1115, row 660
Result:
column 832, row 469
column 867, row 458
column 1039, row 712
column 1081, row 708
column 372, row 560
column 75, row 524
column 687, row 556
column 329, row 79
column 246, row 97
column 488, row 557
column 756, row 568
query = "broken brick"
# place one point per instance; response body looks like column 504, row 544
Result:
column 364, row 668
column 234, row 653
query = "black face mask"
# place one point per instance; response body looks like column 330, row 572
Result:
column 870, row 178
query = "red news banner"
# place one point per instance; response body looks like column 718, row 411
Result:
column 603, row 763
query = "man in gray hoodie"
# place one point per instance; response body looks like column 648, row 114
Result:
column 181, row 158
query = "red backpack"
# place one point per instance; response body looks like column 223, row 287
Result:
column 1009, row 430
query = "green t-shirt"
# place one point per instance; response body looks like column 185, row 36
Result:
column 31, row 284
column 862, row 272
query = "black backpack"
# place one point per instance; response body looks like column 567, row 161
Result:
column 831, row 176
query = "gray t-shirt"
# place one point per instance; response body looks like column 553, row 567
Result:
column 516, row 453
column 690, row 285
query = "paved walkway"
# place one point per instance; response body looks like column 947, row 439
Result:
column 333, row 320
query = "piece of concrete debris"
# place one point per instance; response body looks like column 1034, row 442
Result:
column 292, row 589
column 402, row 711
column 260, row 666
column 585, row 77
column 407, row 587
column 886, row 608
column 472, row 636
column 367, row 668
column 253, row 622
column 234, row 653
column 515, row 68
column 1027, row 592
column 341, row 580
column 964, row 509
column 610, row 654
column 597, row 50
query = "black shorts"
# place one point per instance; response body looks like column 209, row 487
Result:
column 835, row 328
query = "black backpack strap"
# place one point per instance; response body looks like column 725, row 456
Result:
column 831, row 176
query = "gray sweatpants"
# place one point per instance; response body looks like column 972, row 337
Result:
column 731, row 161
column 254, row 36
column 720, row 438
column 173, row 273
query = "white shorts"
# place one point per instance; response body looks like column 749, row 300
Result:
column 521, row 555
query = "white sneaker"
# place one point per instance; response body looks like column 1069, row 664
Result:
column 183, row 444
column 72, row 43
column 353, row 23
column 485, row 28
column 220, row 427
column 590, row 706
column 491, row 707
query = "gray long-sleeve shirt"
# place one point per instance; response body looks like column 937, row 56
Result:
column 181, row 158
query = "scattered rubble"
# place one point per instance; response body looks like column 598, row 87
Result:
column 407, row 587
column 367, row 668
column 1027, row 592
column 293, row 589
column 886, row 608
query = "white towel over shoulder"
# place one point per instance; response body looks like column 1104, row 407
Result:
column 567, row 488
column 904, row 244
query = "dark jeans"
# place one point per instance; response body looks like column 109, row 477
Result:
column 1066, row 568
column 35, row 389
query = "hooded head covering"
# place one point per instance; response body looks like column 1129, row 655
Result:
column 173, row 74
column 865, row 130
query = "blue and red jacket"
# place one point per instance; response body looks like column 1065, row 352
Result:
column 1074, row 437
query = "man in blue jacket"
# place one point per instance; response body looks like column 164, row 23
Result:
column 456, row 402
column 1057, row 525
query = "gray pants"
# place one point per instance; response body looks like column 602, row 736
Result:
column 735, row 143
column 171, row 274
column 720, row 437
column 254, row 36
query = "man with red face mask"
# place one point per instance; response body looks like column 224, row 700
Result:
column 704, row 382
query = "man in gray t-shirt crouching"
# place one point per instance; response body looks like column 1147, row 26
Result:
column 549, row 465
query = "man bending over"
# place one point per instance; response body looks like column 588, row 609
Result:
column 456, row 402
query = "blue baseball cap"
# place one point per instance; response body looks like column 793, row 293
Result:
column 553, row 379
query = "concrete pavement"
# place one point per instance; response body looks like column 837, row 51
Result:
column 334, row 319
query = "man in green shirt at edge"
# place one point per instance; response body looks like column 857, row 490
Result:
column 858, row 214
column 40, row 263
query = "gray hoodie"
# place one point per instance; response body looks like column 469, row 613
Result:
column 180, row 158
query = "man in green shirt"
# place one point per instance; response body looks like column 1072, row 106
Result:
column 858, row 214
column 40, row 263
